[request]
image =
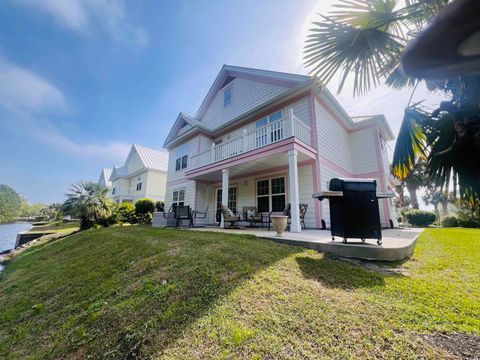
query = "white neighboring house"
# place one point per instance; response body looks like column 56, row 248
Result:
column 143, row 175
column 104, row 179
column 264, row 139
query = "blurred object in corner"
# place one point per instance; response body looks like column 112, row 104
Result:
column 449, row 46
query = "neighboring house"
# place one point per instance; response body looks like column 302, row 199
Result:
column 271, row 139
column 104, row 179
column 143, row 175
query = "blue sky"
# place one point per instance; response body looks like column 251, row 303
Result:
column 81, row 80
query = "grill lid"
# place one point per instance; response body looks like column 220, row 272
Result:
column 358, row 185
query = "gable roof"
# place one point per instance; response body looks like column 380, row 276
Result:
column 182, row 119
column 228, row 71
column 380, row 121
column 105, row 177
column 151, row 159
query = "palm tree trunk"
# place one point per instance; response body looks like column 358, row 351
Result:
column 412, row 190
column 444, row 207
column 435, row 206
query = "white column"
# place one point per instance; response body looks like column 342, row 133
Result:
column 224, row 192
column 294, row 193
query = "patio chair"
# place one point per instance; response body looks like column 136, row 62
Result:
column 199, row 215
column 170, row 217
column 251, row 214
column 230, row 216
column 183, row 213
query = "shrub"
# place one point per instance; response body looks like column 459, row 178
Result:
column 468, row 214
column 449, row 221
column 108, row 220
column 160, row 205
column 420, row 217
column 126, row 213
column 144, row 209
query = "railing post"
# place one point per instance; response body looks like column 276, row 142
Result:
column 213, row 152
column 292, row 123
column 244, row 140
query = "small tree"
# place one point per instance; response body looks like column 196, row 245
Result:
column 160, row 205
column 126, row 213
column 144, row 209
column 87, row 201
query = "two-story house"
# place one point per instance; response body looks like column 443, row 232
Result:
column 263, row 138
column 143, row 175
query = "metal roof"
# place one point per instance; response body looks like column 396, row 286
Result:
column 105, row 176
column 152, row 158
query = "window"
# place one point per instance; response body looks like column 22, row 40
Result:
column 227, row 96
column 178, row 197
column 268, row 134
column 139, row 186
column 232, row 198
column 113, row 190
column 271, row 195
column 181, row 161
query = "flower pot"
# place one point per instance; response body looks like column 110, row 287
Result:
column 279, row 223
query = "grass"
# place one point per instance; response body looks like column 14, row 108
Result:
column 151, row 293
column 54, row 227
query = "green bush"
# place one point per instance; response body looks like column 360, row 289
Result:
column 449, row 221
column 126, row 213
column 144, row 209
column 420, row 217
column 468, row 214
column 160, row 205
column 108, row 220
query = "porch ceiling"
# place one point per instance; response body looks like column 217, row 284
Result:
column 267, row 164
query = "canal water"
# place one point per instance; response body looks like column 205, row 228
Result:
column 8, row 234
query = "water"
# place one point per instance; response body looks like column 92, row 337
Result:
column 8, row 234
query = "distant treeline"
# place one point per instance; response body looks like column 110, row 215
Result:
column 13, row 206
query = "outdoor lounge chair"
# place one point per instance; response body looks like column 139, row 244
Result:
column 183, row 213
column 230, row 216
column 251, row 214
column 199, row 214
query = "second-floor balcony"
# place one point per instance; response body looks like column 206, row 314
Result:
column 284, row 128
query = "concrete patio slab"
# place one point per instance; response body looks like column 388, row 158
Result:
column 398, row 244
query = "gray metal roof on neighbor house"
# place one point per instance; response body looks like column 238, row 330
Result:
column 152, row 158
column 105, row 176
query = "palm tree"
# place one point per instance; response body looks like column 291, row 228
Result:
column 87, row 201
column 365, row 39
column 414, row 181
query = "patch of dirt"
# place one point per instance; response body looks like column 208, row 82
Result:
column 382, row 268
column 460, row 345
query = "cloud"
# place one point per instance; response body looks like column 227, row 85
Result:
column 22, row 90
column 83, row 16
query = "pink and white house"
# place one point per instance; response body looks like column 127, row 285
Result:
column 264, row 139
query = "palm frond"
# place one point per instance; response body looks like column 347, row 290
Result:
column 397, row 79
column 411, row 141
column 365, row 53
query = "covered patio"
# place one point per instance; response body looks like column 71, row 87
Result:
column 267, row 179
column 398, row 244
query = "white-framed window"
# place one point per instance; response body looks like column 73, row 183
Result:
column 232, row 198
column 268, row 134
column 227, row 96
column 139, row 186
column 271, row 194
column 178, row 197
column 114, row 190
column 181, row 161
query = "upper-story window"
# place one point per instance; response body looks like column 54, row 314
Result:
column 269, row 119
column 139, row 186
column 182, row 157
column 114, row 190
column 227, row 96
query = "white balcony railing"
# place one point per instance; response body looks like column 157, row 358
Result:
column 286, row 127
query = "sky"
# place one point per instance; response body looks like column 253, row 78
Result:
column 82, row 80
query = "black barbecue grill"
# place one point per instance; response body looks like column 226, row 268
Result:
column 354, row 211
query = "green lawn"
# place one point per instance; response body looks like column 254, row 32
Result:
column 57, row 226
column 150, row 293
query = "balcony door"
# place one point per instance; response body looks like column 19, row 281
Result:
column 269, row 129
